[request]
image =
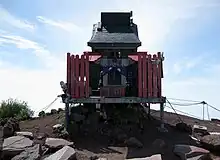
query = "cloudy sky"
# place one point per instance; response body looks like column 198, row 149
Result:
column 36, row 35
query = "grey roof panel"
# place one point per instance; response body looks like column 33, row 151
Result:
column 114, row 36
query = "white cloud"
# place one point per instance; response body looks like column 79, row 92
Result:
column 67, row 26
column 6, row 17
column 39, row 50
column 155, row 19
column 38, row 87
column 188, row 63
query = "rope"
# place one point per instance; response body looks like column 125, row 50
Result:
column 174, row 111
column 213, row 107
column 185, row 113
column 184, row 100
column 195, row 103
column 207, row 107
column 190, row 104
column 48, row 106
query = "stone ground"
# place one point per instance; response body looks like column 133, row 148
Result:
column 154, row 142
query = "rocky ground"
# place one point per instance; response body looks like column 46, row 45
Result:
column 46, row 138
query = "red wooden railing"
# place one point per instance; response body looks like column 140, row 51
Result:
column 78, row 75
column 149, row 74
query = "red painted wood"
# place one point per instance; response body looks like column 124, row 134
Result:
column 155, row 75
column 82, row 68
column 77, row 75
column 87, row 73
column 94, row 57
column 140, row 74
column 149, row 74
column 159, row 83
column 72, row 76
column 144, row 72
column 133, row 57
column 68, row 73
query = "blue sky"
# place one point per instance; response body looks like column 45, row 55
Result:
column 35, row 36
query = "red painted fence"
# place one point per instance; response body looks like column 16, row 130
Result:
column 78, row 75
column 150, row 74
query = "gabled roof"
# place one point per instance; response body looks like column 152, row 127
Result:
column 120, row 32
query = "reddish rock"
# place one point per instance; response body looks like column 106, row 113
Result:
column 211, row 142
column 187, row 152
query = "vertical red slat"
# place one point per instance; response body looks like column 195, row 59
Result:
column 68, row 78
column 159, row 83
column 77, row 76
column 87, row 73
column 144, row 75
column 82, row 90
column 123, row 92
column 140, row 75
column 149, row 76
column 154, row 75
column 73, row 76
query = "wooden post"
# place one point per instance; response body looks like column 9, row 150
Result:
column 162, row 115
column 67, row 114
column 149, row 110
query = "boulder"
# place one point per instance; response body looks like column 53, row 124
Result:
column 53, row 111
column 183, row 127
column 66, row 153
column 187, row 152
column 31, row 153
column 211, row 142
column 41, row 136
column 25, row 134
column 15, row 123
column 1, row 138
column 215, row 120
column 3, row 121
column 60, row 110
column 159, row 143
column 15, row 145
column 200, row 129
column 134, row 142
column 10, row 127
column 63, row 134
column 8, row 130
column 44, row 150
column 58, row 127
column 214, row 133
column 57, row 143
column 41, row 114
column 153, row 157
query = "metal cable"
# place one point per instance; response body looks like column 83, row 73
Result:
column 189, row 104
column 213, row 108
column 48, row 106
column 185, row 100
column 207, row 107
column 174, row 111
column 185, row 113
